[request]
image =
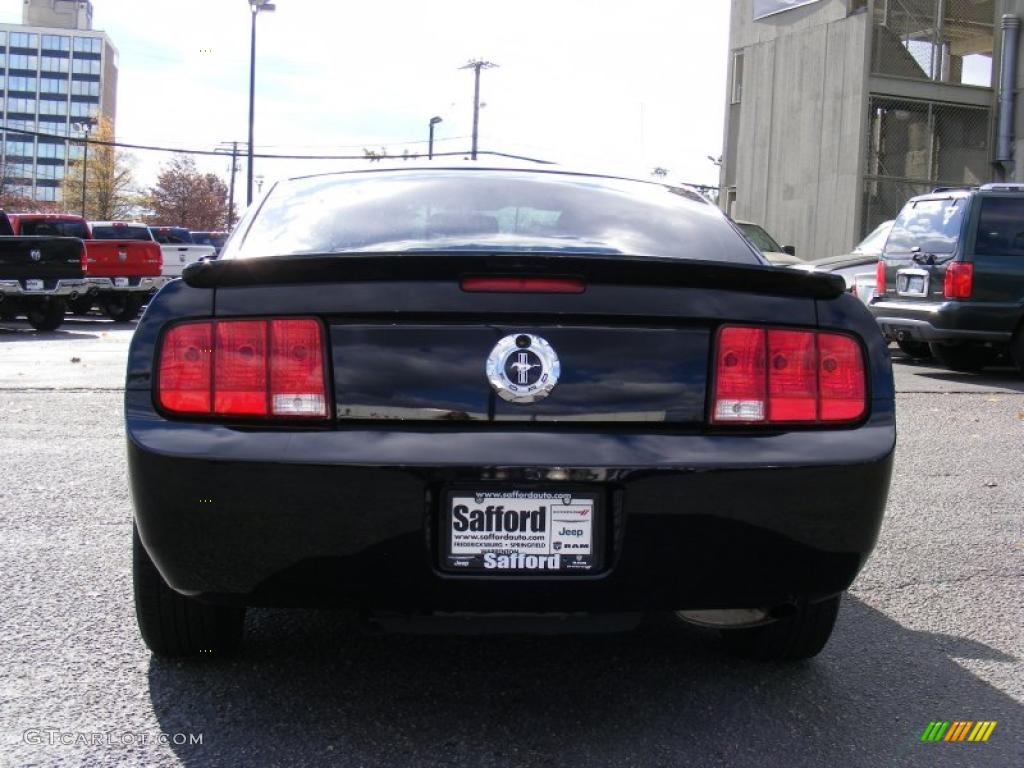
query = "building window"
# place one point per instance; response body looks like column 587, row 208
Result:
column 21, row 125
column 21, row 83
column 52, row 172
column 81, row 109
column 736, row 91
column 47, row 194
column 47, row 150
column 85, row 67
column 53, row 85
column 55, row 64
column 25, row 106
column 85, row 88
column 56, row 43
column 88, row 45
column 21, row 61
column 24, row 40
column 53, row 107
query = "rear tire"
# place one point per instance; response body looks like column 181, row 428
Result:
column 918, row 350
column 121, row 308
column 963, row 356
column 174, row 625
column 47, row 315
column 793, row 638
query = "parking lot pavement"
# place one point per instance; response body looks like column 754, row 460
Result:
column 931, row 629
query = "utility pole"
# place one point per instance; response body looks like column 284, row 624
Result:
column 476, row 65
column 231, row 186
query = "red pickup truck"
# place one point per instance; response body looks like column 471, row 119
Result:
column 124, row 272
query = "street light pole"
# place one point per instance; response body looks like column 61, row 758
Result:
column 476, row 65
column 255, row 6
column 84, row 128
column 430, row 144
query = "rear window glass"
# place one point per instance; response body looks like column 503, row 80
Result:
column 121, row 233
column 54, row 228
column 760, row 238
column 933, row 226
column 1001, row 227
column 174, row 236
column 494, row 211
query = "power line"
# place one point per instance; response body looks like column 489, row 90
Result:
column 262, row 155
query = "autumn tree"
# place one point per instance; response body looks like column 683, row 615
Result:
column 184, row 197
column 111, row 192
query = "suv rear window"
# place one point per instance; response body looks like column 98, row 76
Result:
column 1001, row 227
column 933, row 226
column 173, row 236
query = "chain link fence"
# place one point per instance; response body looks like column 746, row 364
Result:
column 914, row 146
column 949, row 41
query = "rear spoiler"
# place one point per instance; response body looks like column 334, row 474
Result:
column 447, row 266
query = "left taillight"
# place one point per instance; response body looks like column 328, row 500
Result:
column 259, row 368
column 787, row 376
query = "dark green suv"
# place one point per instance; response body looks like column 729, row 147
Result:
column 951, row 278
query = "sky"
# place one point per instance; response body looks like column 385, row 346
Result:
column 590, row 84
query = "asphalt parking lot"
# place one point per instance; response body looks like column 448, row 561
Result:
column 932, row 629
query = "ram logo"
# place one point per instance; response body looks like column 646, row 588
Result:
column 35, row 254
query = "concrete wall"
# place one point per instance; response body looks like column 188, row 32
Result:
column 64, row 14
column 797, row 152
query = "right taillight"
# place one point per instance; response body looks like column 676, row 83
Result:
column 261, row 368
column 880, row 277
column 959, row 280
column 787, row 376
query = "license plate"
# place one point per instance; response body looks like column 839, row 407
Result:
column 33, row 285
column 120, row 282
column 912, row 283
column 521, row 531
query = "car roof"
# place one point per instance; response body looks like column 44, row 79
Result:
column 117, row 224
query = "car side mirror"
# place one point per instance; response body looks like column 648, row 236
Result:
column 789, row 249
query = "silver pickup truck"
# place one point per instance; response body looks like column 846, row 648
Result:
column 179, row 250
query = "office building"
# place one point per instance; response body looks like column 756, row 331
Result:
column 57, row 74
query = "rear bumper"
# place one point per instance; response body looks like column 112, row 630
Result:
column 140, row 285
column 61, row 288
column 351, row 516
column 940, row 322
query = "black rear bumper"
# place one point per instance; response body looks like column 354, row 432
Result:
column 350, row 517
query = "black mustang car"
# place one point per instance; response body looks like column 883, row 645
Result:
column 473, row 390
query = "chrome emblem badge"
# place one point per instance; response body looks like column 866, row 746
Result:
column 523, row 368
column 122, row 255
column 35, row 254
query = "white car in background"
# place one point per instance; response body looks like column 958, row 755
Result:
column 179, row 250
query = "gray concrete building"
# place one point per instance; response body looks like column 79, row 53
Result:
column 837, row 111
column 56, row 74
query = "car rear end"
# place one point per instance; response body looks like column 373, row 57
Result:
column 179, row 250
column 127, row 264
column 38, row 275
column 321, row 429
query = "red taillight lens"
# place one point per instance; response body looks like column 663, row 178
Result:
column 523, row 285
column 740, row 382
column 840, row 378
column 880, row 277
column 296, row 369
column 792, row 378
column 959, row 280
column 247, row 368
column 787, row 376
column 184, row 383
column 240, row 368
